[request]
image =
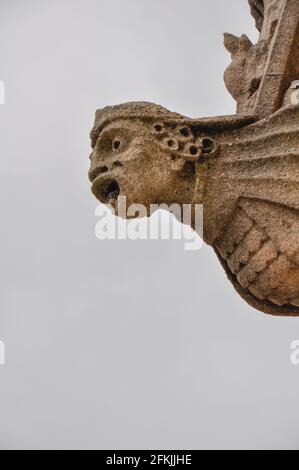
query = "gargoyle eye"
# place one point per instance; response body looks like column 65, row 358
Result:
column 116, row 144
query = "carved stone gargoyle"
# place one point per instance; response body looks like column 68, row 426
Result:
column 244, row 169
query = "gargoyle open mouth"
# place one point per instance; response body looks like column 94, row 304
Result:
column 106, row 190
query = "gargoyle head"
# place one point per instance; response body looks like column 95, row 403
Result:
column 146, row 153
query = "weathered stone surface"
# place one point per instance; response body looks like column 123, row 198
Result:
column 244, row 169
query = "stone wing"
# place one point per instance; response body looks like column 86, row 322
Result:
column 259, row 250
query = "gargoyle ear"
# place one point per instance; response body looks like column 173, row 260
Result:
column 231, row 43
column 245, row 43
column 235, row 44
